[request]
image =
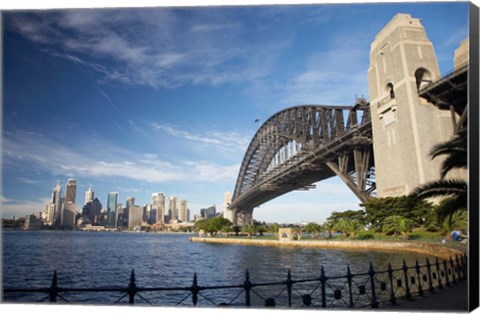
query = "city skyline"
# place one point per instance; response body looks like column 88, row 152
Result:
column 167, row 99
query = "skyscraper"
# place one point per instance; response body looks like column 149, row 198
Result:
column 89, row 195
column 67, row 218
column 130, row 202
column 54, row 213
column 172, row 208
column 135, row 216
column 158, row 204
column 112, row 201
column 182, row 211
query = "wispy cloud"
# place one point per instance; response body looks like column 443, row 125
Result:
column 227, row 141
column 330, row 78
column 156, row 48
column 41, row 153
column 15, row 208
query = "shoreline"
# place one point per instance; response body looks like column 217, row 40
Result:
column 425, row 248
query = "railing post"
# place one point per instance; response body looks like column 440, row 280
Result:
column 323, row 280
column 429, row 269
column 437, row 264
column 194, row 289
column 247, row 285
column 408, row 295
column 393, row 300
column 289, row 288
column 132, row 288
column 452, row 267
column 371, row 272
column 419, row 283
column 53, row 288
column 447, row 281
column 349, row 280
column 459, row 261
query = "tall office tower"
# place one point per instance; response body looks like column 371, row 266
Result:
column 92, row 211
column 69, row 207
column 208, row 212
column 112, row 201
column 182, row 211
column 146, row 210
column 188, row 214
column 89, row 195
column 130, row 202
column 227, row 212
column 135, row 216
column 70, row 191
column 405, row 126
column 56, row 205
column 158, row 204
column 172, row 208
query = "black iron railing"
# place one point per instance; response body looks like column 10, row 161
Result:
column 353, row 290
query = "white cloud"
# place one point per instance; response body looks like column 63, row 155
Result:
column 41, row 153
column 156, row 47
column 225, row 141
column 12, row 208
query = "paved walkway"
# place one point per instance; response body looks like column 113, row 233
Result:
column 450, row 299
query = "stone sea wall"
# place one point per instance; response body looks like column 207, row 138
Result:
column 430, row 249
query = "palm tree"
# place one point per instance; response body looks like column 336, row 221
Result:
column 343, row 225
column 329, row 226
column 353, row 227
column 312, row 228
column 249, row 229
column 396, row 224
column 455, row 152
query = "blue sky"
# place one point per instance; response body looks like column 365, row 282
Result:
column 164, row 100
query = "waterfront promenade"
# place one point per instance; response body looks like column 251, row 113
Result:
column 450, row 299
column 431, row 249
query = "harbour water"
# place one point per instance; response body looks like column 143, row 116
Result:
column 106, row 259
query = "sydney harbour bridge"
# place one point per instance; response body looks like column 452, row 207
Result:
column 301, row 145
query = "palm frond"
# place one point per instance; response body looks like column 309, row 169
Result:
column 455, row 160
column 441, row 188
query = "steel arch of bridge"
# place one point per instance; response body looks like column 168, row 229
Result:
column 302, row 145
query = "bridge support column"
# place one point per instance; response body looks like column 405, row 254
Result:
column 361, row 159
column 244, row 218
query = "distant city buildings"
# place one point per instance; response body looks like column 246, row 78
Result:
column 209, row 212
column 92, row 212
column 61, row 212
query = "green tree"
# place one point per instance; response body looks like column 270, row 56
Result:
column 273, row 228
column 212, row 225
column 329, row 226
column 378, row 209
column 313, row 228
column 358, row 215
column 354, row 226
column 249, row 229
column 261, row 229
column 343, row 225
column 397, row 225
column 455, row 153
